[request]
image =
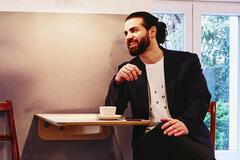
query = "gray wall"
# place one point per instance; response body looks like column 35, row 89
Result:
column 59, row 62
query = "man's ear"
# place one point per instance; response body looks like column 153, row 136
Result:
column 152, row 32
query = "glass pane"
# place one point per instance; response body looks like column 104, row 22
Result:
column 215, row 53
column 175, row 29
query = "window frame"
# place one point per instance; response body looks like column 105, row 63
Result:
column 178, row 8
column 200, row 8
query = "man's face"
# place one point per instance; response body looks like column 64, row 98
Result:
column 137, row 37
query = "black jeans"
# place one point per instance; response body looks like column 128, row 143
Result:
column 157, row 146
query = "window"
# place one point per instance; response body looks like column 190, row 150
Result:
column 218, row 44
column 215, row 51
column 177, row 17
column 174, row 22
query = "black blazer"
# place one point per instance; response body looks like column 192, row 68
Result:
column 187, row 94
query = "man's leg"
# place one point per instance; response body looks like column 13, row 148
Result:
column 156, row 145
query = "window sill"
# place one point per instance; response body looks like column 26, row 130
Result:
column 227, row 155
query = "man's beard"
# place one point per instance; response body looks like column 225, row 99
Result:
column 142, row 45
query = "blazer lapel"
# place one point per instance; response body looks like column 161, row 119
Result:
column 141, row 86
column 170, row 69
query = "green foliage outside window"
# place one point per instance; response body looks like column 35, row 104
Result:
column 215, row 58
column 222, row 125
column 174, row 24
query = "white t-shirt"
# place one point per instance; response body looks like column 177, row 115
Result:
column 158, row 106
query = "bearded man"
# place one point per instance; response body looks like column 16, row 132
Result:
column 168, row 88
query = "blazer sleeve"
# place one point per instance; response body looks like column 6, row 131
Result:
column 118, row 95
column 198, row 98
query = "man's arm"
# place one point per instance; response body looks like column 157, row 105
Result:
column 117, row 96
column 118, row 90
column 198, row 97
column 197, row 104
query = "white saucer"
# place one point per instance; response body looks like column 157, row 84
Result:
column 106, row 117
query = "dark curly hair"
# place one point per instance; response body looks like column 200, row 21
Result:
column 150, row 20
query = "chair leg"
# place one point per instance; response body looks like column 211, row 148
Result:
column 12, row 136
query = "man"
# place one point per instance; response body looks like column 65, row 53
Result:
column 165, row 86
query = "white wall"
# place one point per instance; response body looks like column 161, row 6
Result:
column 86, row 6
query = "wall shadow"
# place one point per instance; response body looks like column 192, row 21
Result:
column 37, row 149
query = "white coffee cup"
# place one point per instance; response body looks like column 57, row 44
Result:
column 107, row 110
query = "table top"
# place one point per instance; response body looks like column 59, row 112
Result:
column 88, row 119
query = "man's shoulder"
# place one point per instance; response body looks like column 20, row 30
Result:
column 136, row 60
column 180, row 54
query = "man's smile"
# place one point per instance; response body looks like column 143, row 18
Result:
column 132, row 44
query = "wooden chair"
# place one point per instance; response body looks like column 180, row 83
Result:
column 6, row 107
column 212, row 111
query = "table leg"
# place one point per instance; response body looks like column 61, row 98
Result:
column 116, row 139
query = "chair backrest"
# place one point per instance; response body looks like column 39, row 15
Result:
column 212, row 111
column 6, row 107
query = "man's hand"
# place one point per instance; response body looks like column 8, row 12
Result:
column 174, row 127
column 128, row 72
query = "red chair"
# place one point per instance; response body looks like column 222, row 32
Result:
column 6, row 107
column 212, row 111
